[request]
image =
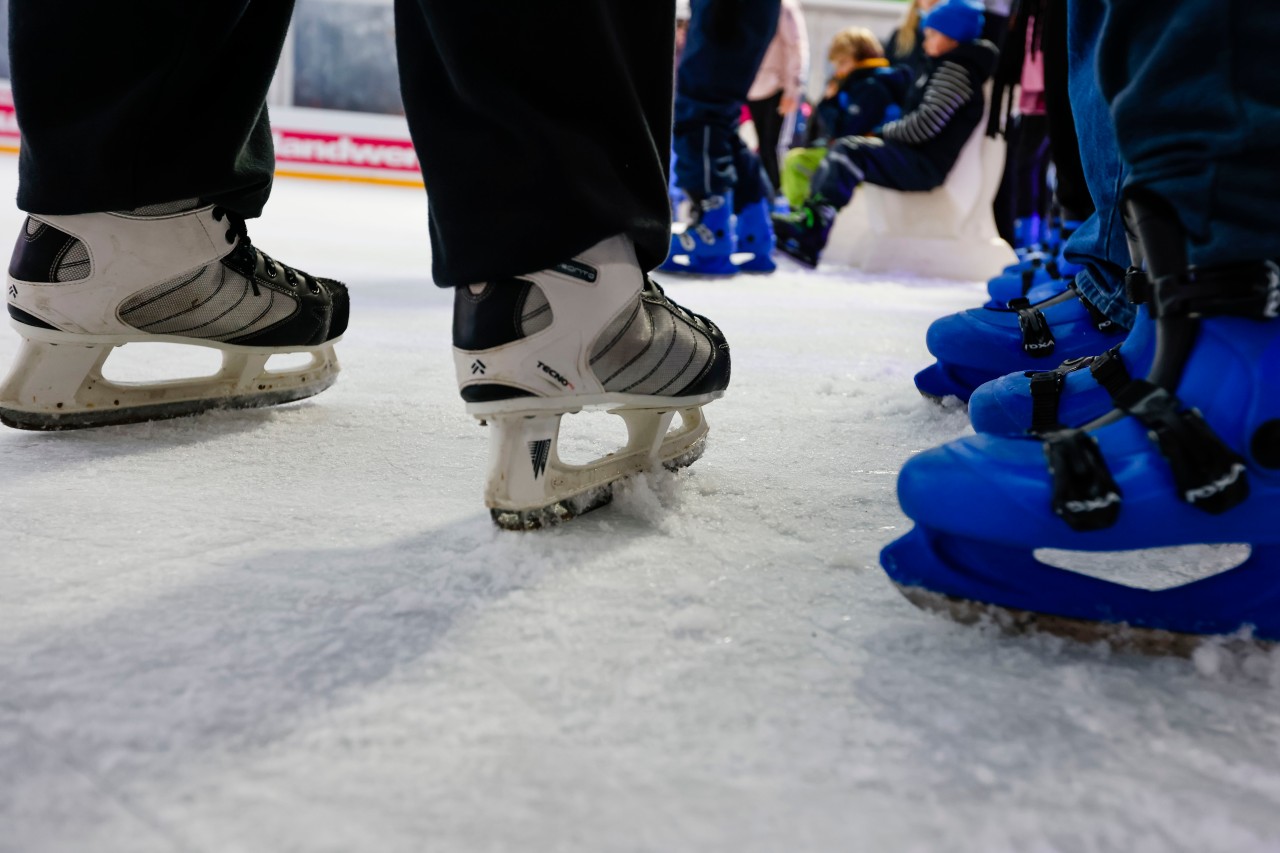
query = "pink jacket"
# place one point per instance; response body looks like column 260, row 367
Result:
column 787, row 59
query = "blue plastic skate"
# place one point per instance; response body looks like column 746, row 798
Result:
column 1199, row 467
column 1071, row 394
column 982, row 344
column 754, row 231
column 706, row 247
column 1027, row 232
column 1018, row 281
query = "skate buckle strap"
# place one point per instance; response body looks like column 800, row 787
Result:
column 1209, row 475
column 1137, row 286
column 1037, row 337
column 1101, row 321
column 1046, row 394
column 1236, row 290
column 1029, row 277
column 1084, row 494
column 1109, row 370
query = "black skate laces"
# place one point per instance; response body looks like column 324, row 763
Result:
column 655, row 292
column 237, row 228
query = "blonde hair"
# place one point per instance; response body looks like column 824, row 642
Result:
column 904, row 40
column 856, row 42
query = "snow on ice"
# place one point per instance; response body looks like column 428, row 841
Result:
column 297, row 629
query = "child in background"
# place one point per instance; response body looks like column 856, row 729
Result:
column 862, row 94
column 918, row 150
column 906, row 44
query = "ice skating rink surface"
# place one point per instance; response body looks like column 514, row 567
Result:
column 296, row 630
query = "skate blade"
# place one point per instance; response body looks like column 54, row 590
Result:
column 582, row 503
column 1119, row 636
column 50, row 422
column 55, row 386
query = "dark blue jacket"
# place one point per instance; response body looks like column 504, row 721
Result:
column 943, row 110
column 867, row 98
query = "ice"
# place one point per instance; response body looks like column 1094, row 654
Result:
column 297, row 629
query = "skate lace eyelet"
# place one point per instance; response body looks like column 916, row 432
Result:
column 231, row 236
column 271, row 271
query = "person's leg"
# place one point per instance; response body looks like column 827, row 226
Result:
column 726, row 41
column 1214, row 163
column 1099, row 244
column 1072, row 190
column 1069, row 394
column 764, row 115
column 135, row 103
column 1191, row 453
column 549, row 149
column 1021, row 394
column 851, row 160
column 546, row 216
column 798, row 169
column 1030, row 153
column 145, row 147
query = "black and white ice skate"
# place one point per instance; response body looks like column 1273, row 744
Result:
column 80, row 286
column 590, row 333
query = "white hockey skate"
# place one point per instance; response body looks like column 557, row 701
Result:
column 80, row 286
column 590, row 333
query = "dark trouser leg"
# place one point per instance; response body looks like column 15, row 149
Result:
column 129, row 103
column 1031, row 159
column 726, row 41
column 853, row 160
column 1073, row 191
column 532, row 155
column 1203, row 135
column 752, row 184
column 764, row 115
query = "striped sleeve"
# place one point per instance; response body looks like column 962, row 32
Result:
column 946, row 92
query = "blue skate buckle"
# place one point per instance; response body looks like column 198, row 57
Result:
column 1109, row 371
column 1208, row 474
column 1085, row 495
column 1046, row 394
column 1037, row 337
column 1046, row 386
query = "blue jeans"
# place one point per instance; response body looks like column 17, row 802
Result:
column 1196, row 102
column 1099, row 244
column 723, row 48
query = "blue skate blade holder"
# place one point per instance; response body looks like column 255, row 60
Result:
column 1247, row 596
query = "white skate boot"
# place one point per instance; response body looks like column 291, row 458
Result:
column 590, row 333
column 80, row 286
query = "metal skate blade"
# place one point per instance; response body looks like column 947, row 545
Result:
column 1119, row 636
column 584, row 502
column 162, row 411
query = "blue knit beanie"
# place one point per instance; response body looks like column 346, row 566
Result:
column 960, row 19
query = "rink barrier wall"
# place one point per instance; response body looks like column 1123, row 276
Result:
column 325, row 145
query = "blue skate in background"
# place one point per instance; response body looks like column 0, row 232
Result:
column 1073, row 393
column 754, row 233
column 706, row 247
column 982, row 344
